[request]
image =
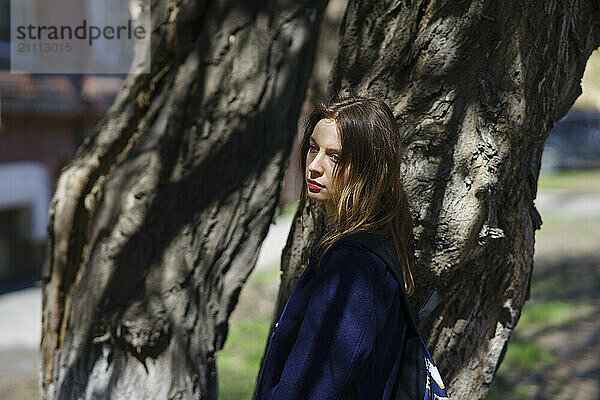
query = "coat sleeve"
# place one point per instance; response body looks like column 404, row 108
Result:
column 338, row 331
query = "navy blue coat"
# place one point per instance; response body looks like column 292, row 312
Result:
column 340, row 328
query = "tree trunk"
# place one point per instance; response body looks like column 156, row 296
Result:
column 157, row 222
column 476, row 87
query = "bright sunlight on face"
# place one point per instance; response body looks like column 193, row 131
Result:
column 321, row 159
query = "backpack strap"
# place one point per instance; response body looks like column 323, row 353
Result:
column 412, row 382
column 384, row 249
column 430, row 305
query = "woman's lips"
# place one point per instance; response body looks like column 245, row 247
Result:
column 314, row 185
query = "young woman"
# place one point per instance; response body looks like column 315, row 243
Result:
column 340, row 332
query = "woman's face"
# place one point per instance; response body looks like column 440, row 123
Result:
column 322, row 156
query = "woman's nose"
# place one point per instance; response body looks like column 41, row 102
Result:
column 316, row 165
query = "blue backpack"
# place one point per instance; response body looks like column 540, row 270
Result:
column 417, row 376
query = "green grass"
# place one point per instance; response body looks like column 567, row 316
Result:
column 528, row 356
column 239, row 360
column 290, row 209
column 502, row 389
column 571, row 226
column 265, row 276
column 575, row 181
column 540, row 288
column 521, row 358
column 554, row 312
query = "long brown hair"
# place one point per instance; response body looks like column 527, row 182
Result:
column 372, row 198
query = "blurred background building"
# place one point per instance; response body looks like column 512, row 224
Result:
column 574, row 142
column 43, row 119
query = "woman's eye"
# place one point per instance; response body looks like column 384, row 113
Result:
column 312, row 148
column 335, row 157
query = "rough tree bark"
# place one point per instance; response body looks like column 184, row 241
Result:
column 157, row 222
column 476, row 86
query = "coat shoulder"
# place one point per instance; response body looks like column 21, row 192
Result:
column 352, row 256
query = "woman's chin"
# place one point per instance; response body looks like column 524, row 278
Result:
column 317, row 195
